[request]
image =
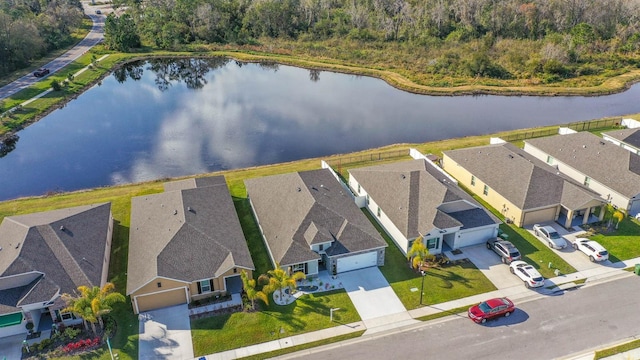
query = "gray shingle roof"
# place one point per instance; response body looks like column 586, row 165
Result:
column 629, row 136
column 598, row 159
column 190, row 232
column 411, row 192
column 291, row 207
column 519, row 177
column 67, row 246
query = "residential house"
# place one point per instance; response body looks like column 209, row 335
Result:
column 522, row 188
column 415, row 198
column 603, row 167
column 309, row 221
column 628, row 139
column 47, row 254
column 185, row 244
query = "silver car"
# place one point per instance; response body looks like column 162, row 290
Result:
column 550, row 236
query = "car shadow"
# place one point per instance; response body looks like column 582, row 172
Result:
column 517, row 317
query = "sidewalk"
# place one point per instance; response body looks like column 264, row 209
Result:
column 397, row 322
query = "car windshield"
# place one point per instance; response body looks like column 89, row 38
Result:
column 603, row 253
column 514, row 253
column 538, row 279
column 554, row 235
column 484, row 307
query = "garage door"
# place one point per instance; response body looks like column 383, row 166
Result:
column 472, row 237
column 161, row 299
column 539, row 216
column 359, row 261
column 635, row 208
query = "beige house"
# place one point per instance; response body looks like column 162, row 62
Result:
column 522, row 188
column 47, row 254
column 310, row 222
column 185, row 244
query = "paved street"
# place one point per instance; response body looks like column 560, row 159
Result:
column 548, row 328
column 96, row 34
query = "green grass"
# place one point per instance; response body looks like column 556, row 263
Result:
column 310, row 345
column 308, row 313
column 441, row 314
column 535, row 252
column 601, row 354
column 441, row 284
column 622, row 243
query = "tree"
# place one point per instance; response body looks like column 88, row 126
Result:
column 417, row 253
column 619, row 216
column 251, row 291
column 120, row 33
column 280, row 279
column 93, row 303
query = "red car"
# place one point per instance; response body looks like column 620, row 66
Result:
column 491, row 309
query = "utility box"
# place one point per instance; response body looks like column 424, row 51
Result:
column 637, row 269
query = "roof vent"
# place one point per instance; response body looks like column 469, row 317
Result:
column 510, row 156
column 314, row 188
column 299, row 189
column 402, row 176
column 602, row 142
column 61, row 227
column 175, row 212
column 584, row 146
column 188, row 208
column 18, row 245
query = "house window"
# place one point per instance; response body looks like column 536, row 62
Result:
column 358, row 188
column 205, row 286
column 587, row 180
column 486, row 190
column 432, row 243
column 159, row 284
column 67, row 316
column 367, row 199
column 379, row 212
column 299, row 268
column 321, row 247
column 549, row 159
column 473, row 180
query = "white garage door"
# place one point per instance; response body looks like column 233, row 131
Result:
column 635, row 208
column 473, row 237
column 359, row 261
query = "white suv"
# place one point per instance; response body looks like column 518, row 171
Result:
column 592, row 249
column 526, row 273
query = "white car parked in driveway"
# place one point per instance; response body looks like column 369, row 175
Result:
column 592, row 249
column 526, row 273
column 550, row 236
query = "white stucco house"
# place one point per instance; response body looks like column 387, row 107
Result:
column 416, row 198
column 600, row 165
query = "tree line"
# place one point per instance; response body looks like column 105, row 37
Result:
column 490, row 38
column 31, row 28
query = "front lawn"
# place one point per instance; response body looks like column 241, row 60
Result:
column 308, row 313
column 622, row 243
column 440, row 284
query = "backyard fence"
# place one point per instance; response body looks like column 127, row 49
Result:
column 352, row 160
column 577, row 126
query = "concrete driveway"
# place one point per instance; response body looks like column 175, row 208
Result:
column 165, row 334
column 11, row 346
column 575, row 258
column 491, row 266
column 370, row 293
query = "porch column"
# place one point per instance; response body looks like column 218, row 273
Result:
column 585, row 217
column 601, row 213
column 567, row 222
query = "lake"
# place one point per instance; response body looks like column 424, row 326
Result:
column 169, row 118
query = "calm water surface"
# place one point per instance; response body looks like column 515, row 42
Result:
column 173, row 118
